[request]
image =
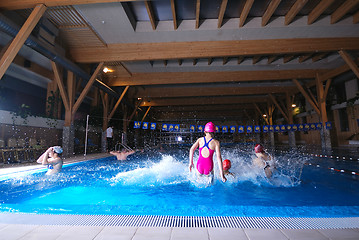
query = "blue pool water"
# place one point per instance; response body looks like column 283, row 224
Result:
column 160, row 184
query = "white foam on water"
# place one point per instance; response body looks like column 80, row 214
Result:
column 170, row 170
column 166, row 172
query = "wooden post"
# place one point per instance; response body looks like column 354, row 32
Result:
column 118, row 103
column 279, row 107
column 87, row 88
column 321, row 93
column 20, row 38
column 305, row 94
column 146, row 114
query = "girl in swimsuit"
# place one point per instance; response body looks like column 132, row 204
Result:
column 207, row 146
column 264, row 160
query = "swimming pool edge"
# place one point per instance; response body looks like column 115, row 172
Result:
column 180, row 221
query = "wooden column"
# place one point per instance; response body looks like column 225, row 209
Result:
column 321, row 92
column 63, row 93
column 20, row 38
column 321, row 101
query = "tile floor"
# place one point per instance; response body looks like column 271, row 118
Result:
column 38, row 232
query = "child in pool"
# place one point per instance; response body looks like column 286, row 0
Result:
column 51, row 158
column 207, row 146
column 263, row 160
column 226, row 166
column 122, row 155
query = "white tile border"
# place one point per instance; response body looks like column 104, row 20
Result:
column 180, row 221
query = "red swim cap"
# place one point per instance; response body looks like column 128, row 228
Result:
column 258, row 148
column 226, row 164
column 210, row 127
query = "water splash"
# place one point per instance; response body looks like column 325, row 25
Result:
column 173, row 169
column 287, row 171
column 166, row 172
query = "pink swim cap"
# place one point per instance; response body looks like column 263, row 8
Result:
column 210, row 127
column 258, row 148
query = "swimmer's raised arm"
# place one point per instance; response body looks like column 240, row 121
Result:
column 219, row 160
column 191, row 152
column 43, row 159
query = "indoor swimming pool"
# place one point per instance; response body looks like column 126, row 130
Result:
column 160, row 184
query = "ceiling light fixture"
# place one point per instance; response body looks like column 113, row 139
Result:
column 106, row 70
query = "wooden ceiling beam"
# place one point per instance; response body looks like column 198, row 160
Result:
column 318, row 10
column 16, row 44
column 260, row 112
column 210, row 60
column 126, row 69
column 353, row 66
column 87, row 88
column 271, row 59
column 117, row 103
column 294, row 10
column 240, row 60
column 304, row 57
column 23, row 4
column 269, row 11
column 222, row 10
column 201, row 91
column 256, row 59
column 150, row 13
column 207, row 49
column 305, row 94
column 334, row 72
column 356, row 17
column 195, row 101
column 342, row 10
column 245, row 12
column 288, row 58
column 319, row 56
column 212, row 77
column 60, row 84
column 279, row 107
column 174, row 15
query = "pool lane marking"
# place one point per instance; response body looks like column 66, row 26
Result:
column 337, row 170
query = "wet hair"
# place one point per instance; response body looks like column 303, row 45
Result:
column 210, row 133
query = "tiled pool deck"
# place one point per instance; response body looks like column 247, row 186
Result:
column 27, row 226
